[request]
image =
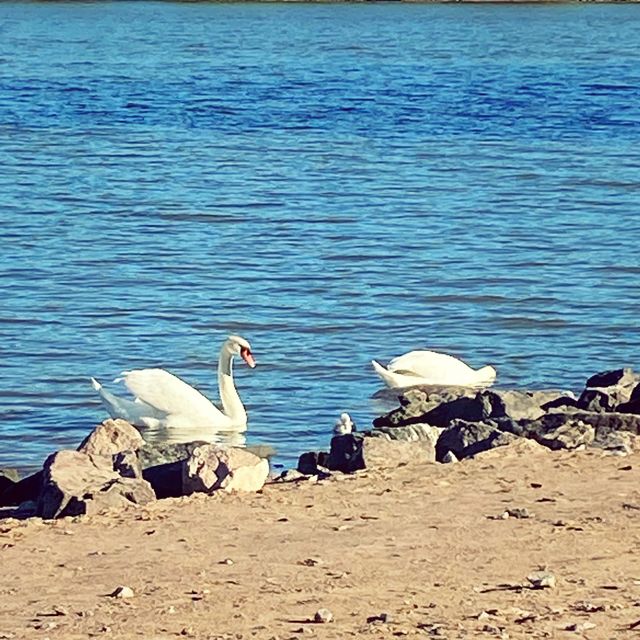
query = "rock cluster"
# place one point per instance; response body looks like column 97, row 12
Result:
column 450, row 424
column 114, row 468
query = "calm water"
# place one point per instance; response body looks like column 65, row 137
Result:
column 334, row 182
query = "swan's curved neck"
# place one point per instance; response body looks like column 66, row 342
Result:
column 231, row 404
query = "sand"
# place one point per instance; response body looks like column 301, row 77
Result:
column 425, row 545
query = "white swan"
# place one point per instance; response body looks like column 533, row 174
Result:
column 164, row 400
column 429, row 367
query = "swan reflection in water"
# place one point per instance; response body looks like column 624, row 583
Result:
column 167, row 409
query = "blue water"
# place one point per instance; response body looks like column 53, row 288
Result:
column 334, row 182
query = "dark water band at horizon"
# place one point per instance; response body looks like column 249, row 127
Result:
column 336, row 183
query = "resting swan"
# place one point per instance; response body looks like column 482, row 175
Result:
column 429, row 367
column 164, row 400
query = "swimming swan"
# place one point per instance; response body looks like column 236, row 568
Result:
column 429, row 367
column 164, row 400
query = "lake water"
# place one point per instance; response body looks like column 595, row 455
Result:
column 336, row 183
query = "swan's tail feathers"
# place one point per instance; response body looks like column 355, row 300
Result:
column 486, row 375
column 384, row 373
column 96, row 385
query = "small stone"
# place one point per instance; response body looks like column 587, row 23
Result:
column 228, row 561
column 519, row 512
column 483, row 615
column 322, row 616
column 311, row 562
column 542, row 580
column 580, row 627
column 123, row 592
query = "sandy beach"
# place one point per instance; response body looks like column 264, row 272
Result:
column 420, row 551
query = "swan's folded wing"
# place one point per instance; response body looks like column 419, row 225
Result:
column 166, row 392
column 429, row 365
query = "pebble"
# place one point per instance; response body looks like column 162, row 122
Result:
column 123, row 592
column 542, row 580
column 323, row 616
column 580, row 627
column 226, row 561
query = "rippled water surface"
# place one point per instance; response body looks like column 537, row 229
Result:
column 334, row 182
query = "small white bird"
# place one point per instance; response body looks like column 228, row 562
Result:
column 430, row 367
column 344, row 425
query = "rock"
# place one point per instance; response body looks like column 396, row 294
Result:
column 542, row 580
column 465, row 439
column 519, row 405
column 355, row 451
column 111, row 437
column 123, row 592
column 617, row 442
column 127, row 464
column 449, row 457
column 617, row 377
column 603, row 423
column 211, row 467
column 291, row 475
column 309, row 462
column 418, row 432
column 323, row 616
column 418, row 406
column 580, row 627
column 22, row 491
column 162, row 465
column 8, row 478
column 568, row 436
column 73, row 484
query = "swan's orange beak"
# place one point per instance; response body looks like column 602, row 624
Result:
column 247, row 356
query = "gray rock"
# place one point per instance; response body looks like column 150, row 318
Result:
column 570, row 435
column 127, row 464
column 418, row 432
column 617, row 442
column 211, row 468
column 542, row 580
column 465, row 439
column 436, row 407
column 73, row 484
column 323, row 616
column 519, row 405
column 354, row 451
column 111, row 437
column 609, row 390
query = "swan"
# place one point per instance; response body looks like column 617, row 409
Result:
column 430, row 367
column 164, row 400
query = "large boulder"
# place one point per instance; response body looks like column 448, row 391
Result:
column 418, row 432
column 519, row 405
column 75, row 483
column 466, row 439
column 354, row 451
column 111, row 437
column 571, row 435
column 211, row 467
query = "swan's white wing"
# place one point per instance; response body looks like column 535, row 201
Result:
column 166, row 392
column 430, row 365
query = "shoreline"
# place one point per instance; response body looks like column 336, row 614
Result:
column 421, row 551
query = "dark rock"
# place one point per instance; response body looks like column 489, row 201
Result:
column 465, row 439
column 617, row 442
column 8, row 477
column 73, row 484
column 211, row 468
column 624, row 377
column 354, row 451
column 309, row 462
column 127, row 464
column 111, row 437
column 596, row 400
column 26, row 489
column 162, row 465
